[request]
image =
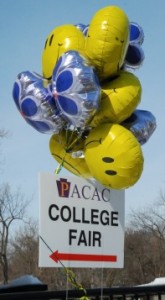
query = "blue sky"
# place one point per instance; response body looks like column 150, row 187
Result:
column 24, row 26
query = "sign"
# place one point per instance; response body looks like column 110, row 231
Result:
column 81, row 223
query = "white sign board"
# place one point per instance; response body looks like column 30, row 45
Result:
column 81, row 223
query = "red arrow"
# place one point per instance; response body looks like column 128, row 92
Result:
column 56, row 256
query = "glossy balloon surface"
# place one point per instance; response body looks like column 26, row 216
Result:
column 76, row 89
column 107, row 41
column 32, row 95
column 117, row 153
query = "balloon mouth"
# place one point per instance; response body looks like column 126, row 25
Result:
column 57, row 157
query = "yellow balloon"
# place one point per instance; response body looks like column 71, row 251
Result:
column 119, row 99
column 61, row 39
column 57, row 146
column 114, row 156
column 107, row 40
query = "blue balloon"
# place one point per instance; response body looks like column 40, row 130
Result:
column 134, row 56
column 142, row 124
column 76, row 89
column 32, row 95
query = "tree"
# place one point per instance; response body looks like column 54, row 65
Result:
column 12, row 208
column 152, row 218
column 138, row 257
column 25, row 250
column 145, row 242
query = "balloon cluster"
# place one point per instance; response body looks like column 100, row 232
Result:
column 87, row 98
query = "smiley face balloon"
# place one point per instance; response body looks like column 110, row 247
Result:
column 117, row 153
column 119, row 98
column 63, row 38
column 107, row 41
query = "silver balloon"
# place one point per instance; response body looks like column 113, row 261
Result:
column 33, row 97
column 76, row 89
column 142, row 124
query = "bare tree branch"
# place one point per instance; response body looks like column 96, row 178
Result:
column 12, row 208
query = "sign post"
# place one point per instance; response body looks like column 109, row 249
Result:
column 81, row 223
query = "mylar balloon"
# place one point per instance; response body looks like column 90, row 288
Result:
column 117, row 153
column 119, row 99
column 107, row 41
column 83, row 28
column 35, row 102
column 87, row 99
column 136, row 33
column 61, row 39
column 135, row 54
column 142, row 124
column 134, row 57
column 76, row 89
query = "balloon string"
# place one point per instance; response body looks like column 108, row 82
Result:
column 60, row 166
column 68, row 139
column 69, row 273
column 72, row 144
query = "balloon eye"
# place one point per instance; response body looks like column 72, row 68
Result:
column 51, row 39
column 110, row 172
column 108, row 159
